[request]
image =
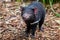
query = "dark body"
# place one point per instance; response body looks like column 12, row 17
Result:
column 33, row 15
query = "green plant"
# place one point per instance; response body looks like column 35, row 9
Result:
column 44, row 1
column 51, row 3
column 18, row 0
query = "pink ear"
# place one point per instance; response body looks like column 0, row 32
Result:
column 35, row 10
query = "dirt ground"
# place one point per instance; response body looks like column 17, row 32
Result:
column 12, row 25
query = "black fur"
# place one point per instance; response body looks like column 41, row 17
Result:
column 40, row 14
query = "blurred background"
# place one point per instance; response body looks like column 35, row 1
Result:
column 12, row 25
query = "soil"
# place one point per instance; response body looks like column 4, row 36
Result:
column 12, row 25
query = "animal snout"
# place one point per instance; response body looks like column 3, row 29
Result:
column 26, row 16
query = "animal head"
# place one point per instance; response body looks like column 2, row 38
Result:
column 28, row 14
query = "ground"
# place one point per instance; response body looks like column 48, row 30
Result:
column 12, row 24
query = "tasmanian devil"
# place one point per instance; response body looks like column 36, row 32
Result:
column 33, row 15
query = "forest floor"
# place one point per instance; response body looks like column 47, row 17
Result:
column 12, row 25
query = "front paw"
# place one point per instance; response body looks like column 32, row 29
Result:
column 32, row 36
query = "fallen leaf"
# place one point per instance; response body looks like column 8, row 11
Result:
column 57, row 21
